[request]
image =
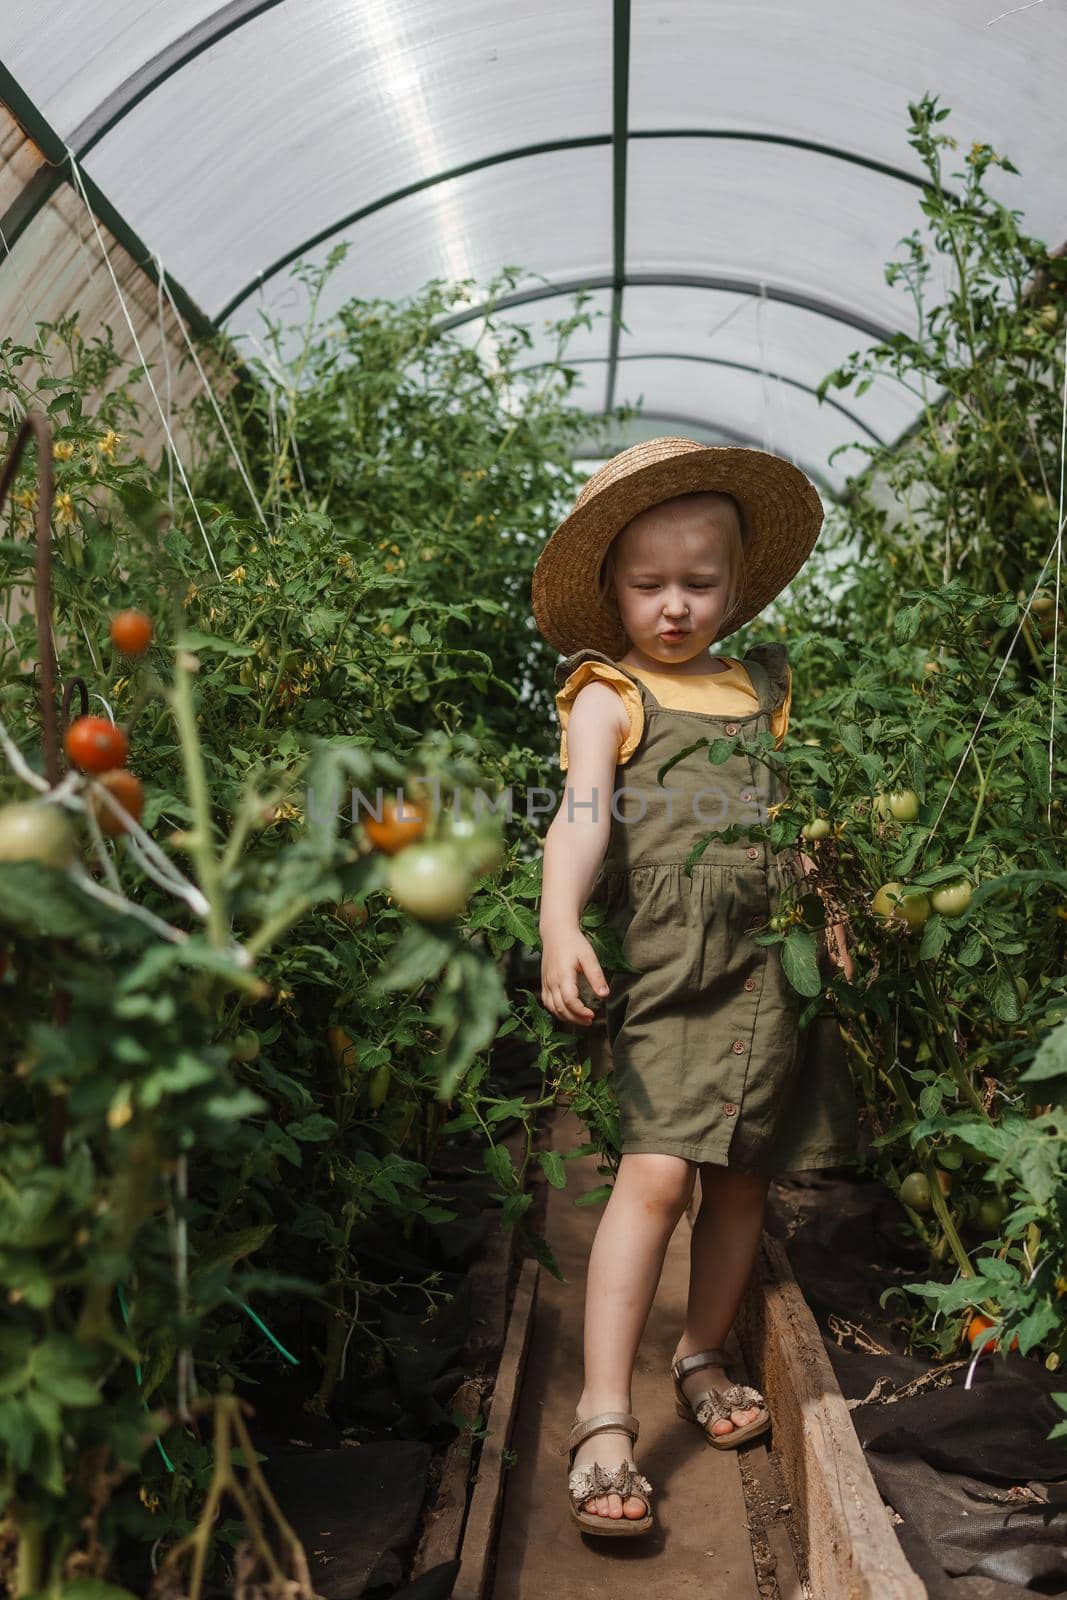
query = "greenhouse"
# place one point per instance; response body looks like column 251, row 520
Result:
column 533, row 900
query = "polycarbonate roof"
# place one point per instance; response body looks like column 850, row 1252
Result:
column 730, row 178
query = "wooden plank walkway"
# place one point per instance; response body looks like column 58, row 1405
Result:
column 700, row 1546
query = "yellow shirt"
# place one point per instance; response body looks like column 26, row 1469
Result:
column 728, row 694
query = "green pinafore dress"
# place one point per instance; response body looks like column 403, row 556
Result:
column 703, row 1043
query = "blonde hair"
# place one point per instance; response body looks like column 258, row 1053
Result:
column 735, row 535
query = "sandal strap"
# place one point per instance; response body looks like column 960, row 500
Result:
column 700, row 1358
column 623, row 1421
column 719, row 1403
column 586, row 1482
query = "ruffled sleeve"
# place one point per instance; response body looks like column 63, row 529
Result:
column 774, row 658
column 602, row 671
column 780, row 717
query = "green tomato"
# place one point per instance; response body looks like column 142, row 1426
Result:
column 991, row 1213
column 817, row 828
column 429, row 880
column 894, row 902
column 951, row 899
column 35, row 830
column 904, row 804
column 245, row 1045
column 480, row 844
column 915, row 1192
column 378, row 1085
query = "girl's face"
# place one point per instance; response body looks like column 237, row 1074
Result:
column 672, row 581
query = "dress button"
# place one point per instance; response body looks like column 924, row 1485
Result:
column 729, row 1108
column 731, row 727
column 747, row 794
column 750, row 983
column 739, row 1047
column 754, row 922
column 752, row 852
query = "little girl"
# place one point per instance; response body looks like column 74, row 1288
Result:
column 670, row 547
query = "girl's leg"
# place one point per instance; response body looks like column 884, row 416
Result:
column 726, row 1235
column 646, row 1204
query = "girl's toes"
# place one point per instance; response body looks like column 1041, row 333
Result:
column 634, row 1507
column 614, row 1505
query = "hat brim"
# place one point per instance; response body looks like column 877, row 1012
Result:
column 783, row 510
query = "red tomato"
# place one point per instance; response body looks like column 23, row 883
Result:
column 93, row 744
column 131, row 632
column 127, row 790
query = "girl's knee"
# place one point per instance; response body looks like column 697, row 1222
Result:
column 663, row 1183
column 729, row 1183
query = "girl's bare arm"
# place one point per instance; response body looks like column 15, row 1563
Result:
column 574, row 848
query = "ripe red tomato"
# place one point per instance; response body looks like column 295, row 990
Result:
column 93, row 744
column 399, row 828
column 131, row 632
column 127, row 790
column 977, row 1326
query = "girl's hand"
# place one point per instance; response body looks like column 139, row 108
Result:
column 837, row 944
column 563, row 957
column 836, row 937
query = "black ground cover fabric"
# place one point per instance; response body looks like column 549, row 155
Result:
column 980, row 1489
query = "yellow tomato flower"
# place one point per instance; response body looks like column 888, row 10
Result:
column 64, row 509
column 62, row 450
column 238, row 575
column 107, row 442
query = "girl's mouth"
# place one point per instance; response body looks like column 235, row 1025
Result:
column 672, row 634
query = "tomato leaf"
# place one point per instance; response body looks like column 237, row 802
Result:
column 497, row 1159
column 936, row 935
column 418, row 955
column 192, row 639
column 232, row 1247
column 800, row 962
column 554, row 1170
column 1050, row 1059
column 1003, row 996
column 313, row 1129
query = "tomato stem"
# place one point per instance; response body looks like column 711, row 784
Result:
column 959, row 1071
column 983, row 779
column 200, row 845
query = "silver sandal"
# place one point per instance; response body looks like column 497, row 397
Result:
column 624, row 1480
column 715, row 1405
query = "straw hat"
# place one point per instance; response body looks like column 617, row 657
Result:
column 782, row 515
